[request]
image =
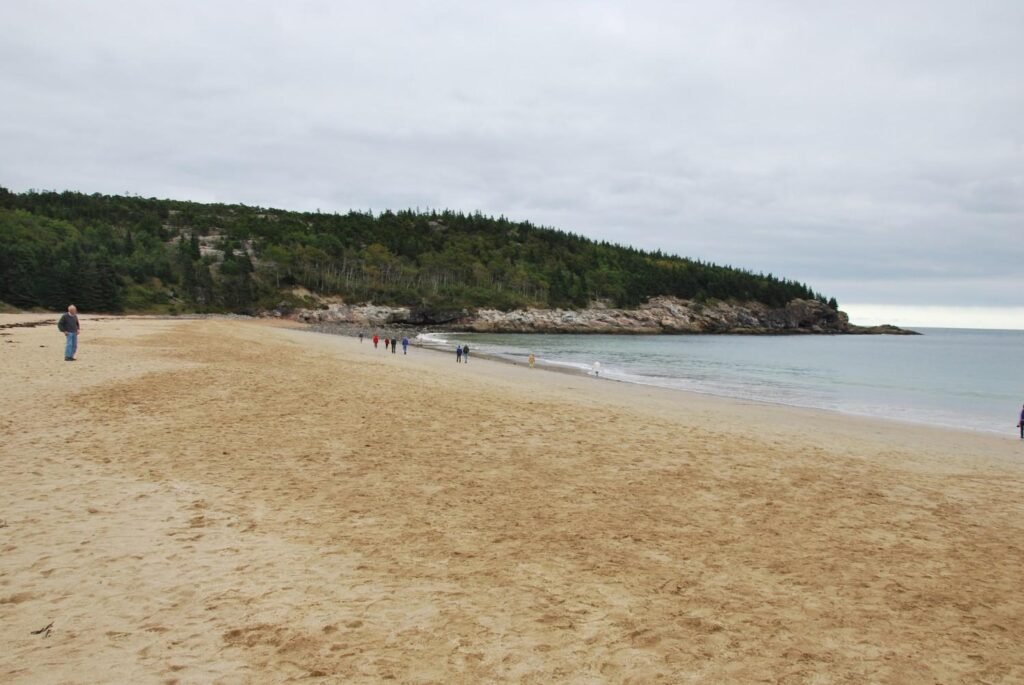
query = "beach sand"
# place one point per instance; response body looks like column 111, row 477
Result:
column 220, row 501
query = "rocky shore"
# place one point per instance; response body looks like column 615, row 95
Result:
column 658, row 315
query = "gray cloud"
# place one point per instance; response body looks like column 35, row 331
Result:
column 873, row 150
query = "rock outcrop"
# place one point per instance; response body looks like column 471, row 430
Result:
column 658, row 315
column 359, row 315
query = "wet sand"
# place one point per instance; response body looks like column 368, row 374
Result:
column 231, row 502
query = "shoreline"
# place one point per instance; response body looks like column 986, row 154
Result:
column 573, row 370
column 33, row 319
column 780, row 420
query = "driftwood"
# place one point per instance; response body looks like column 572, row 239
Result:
column 44, row 631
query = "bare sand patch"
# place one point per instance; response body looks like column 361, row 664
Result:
column 223, row 501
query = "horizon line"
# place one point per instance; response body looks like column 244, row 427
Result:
column 980, row 317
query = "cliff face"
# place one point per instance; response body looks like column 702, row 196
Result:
column 659, row 315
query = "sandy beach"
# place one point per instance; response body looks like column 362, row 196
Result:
column 231, row 501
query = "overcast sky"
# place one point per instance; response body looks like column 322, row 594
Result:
column 874, row 150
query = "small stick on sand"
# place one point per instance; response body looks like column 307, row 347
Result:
column 45, row 630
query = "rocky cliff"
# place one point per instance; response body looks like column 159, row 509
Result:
column 659, row 315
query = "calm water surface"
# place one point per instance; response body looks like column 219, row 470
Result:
column 951, row 377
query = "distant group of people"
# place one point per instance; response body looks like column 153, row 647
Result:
column 389, row 343
column 461, row 351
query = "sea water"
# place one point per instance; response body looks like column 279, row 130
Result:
column 968, row 379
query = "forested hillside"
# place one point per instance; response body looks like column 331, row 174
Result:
column 117, row 253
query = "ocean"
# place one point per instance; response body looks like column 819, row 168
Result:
column 958, row 378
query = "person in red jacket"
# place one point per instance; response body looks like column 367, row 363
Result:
column 376, row 339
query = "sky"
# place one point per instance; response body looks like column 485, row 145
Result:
column 873, row 150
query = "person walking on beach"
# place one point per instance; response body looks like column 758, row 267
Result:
column 405, row 344
column 458, row 354
column 597, row 369
column 532, row 360
column 69, row 326
column 1020, row 424
column 394, row 345
column 387, row 343
column 376, row 339
column 465, row 354
column 360, row 336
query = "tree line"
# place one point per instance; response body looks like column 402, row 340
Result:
column 116, row 253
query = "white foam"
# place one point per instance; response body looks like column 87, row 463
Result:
column 432, row 339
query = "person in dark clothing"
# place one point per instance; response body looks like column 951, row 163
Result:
column 69, row 326
column 465, row 353
column 394, row 345
column 1020, row 424
column 458, row 354
column 405, row 345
